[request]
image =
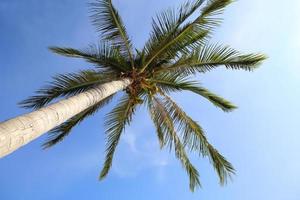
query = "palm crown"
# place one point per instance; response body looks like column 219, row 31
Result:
column 178, row 48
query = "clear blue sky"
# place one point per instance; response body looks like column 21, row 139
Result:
column 261, row 138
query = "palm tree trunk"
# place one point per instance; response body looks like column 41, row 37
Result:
column 19, row 131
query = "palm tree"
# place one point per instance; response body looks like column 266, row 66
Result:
column 177, row 50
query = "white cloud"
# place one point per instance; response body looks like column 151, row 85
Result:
column 130, row 139
column 138, row 154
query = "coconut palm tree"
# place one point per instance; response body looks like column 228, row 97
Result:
column 177, row 50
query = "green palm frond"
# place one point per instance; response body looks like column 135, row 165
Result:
column 168, row 23
column 223, row 168
column 210, row 57
column 116, row 121
column 140, row 57
column 158, row 119
column 65, row 85
column 103, row 55
column 218, row 101
column 195, row 139
column 109, row 23
column 169, row 83
column 192, row 172
column 57, row 134
column 164, row 122
column 210, row 14
column 191, row 34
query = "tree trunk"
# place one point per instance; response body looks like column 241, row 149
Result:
column 19, row 131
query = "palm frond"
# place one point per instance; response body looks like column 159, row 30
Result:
column 109, row 23
column 209, row 18
column 218, row 101
column 223, row 168
column 166, row 27
column 57, row 134
column 157, row 119
column 66, row 85
column 195, row 139
column 212, row 56
column 168, row 22
column 190, row 35
column 164, row 122
column 103, row 55
column 170, row 83
column 116, row 121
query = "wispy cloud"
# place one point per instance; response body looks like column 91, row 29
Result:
column 138, row 153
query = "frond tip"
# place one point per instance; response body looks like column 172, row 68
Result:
column 170, row 83
column 65, row 85
column 165, row 122
column 208, row 57
column 116, row 121
column 223, row 168
column 195, row 139
column 108, row 22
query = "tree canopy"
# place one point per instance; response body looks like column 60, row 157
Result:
column 178, row 48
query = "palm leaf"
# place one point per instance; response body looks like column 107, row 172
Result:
column 109, row 23
column 169, row 83
column 103, row 55
column 59, row 133
column 167, row 24
column 210, row 14
column 157, row 118
column 185, row 36
column 213, row 56
column 164, row 122
column 194, row 137
column 116, row 122
column 65, row 85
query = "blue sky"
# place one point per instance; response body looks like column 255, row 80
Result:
column 261, row 138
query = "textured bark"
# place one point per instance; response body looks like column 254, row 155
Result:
column 19, row 131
